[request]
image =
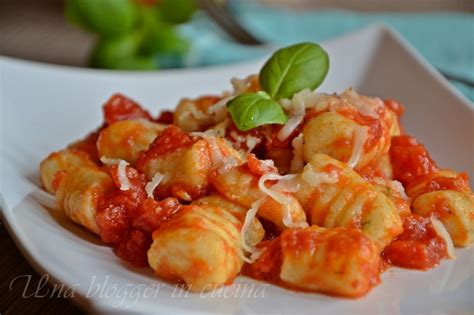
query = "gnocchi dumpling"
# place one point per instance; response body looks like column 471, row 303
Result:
column 242, row 187
column 61, row 161
column 192, row 114
column 187, row 169
column 334, row 195
column 79, row 193
column 356, row 130
column 200, row 246
column 335, row 261
column 125, row 139
column 255, row 232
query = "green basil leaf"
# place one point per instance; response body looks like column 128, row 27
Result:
column 137, row 63
column 294, row 68
column 250, row 110
column 164, row 39
column 177, row 11
column 110, row 52
column 105, row 17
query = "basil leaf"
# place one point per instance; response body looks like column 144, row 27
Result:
column 105, row 17
column 164, row 39
column 110, row 52
column 250, row 110
column 177, row 11
column 294, row 68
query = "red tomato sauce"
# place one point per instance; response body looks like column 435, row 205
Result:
column 119, row 107
column 126, row 219
column 434, row 183
column 88, row 145
column 410, row 160
column 257, row 167
column 166, row 117
column 267, row 267
column 170, row 139
column 395, row 106
column 418, row 247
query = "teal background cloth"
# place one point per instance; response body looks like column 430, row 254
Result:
column 446, row 40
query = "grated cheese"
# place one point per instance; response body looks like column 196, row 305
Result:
column 297, row 112
column 443, row 233
column 228, row 163
column 196, row 113
column 249, row 217
column 289, row 127
column 219, row 109
column 155, row 182
column 398, row 187
column 367, row 106
column 219, row 161
column 314, row 179
column 107, row 161
column 251, row 143
column 122, row 175
column 240, row 85
column 360, row 136
column 275, row 192
column 297, row 162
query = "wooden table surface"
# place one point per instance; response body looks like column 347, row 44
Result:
column 15, row 274
column 36, row 30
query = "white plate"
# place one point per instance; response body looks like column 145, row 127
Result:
column 45, row 107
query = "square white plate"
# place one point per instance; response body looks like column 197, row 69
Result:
column 44, row 107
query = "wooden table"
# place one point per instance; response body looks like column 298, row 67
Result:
column 15, row 272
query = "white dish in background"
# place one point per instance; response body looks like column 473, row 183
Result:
column 45, row 107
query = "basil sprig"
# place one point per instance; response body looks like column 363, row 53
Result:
column 294, row 68
column 250, row 110
column 288, row 71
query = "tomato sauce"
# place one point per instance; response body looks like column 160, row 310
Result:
column 418, row 247
column 257, row 167
column 410, row 160
column 119, row 107
column 127, row 218
column 436, row 182
column 88, row 145
column 267, row 267
column 166, row 117
column 170, row 139
column 395, row 106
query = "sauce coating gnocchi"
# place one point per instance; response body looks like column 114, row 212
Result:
column 323, row 198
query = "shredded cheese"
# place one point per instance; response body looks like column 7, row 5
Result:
column 107, row 161
column 297, row 112
column 315, row 179
column 297, row 162
column 240, row 85
column 398, row 187
column 251, row 143
column 219, row 161
column 289, row 127
column 155, row 182
column 360, row 136
column 275, row 192
column 443, row 233
column 367, row 106
column 228, row 163
column 219, row 109
column 196, row 113
column 249, row 217
column 122, row 175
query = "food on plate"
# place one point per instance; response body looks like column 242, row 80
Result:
column 273, row 180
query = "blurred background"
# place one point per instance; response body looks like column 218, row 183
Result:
column 158, row 34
